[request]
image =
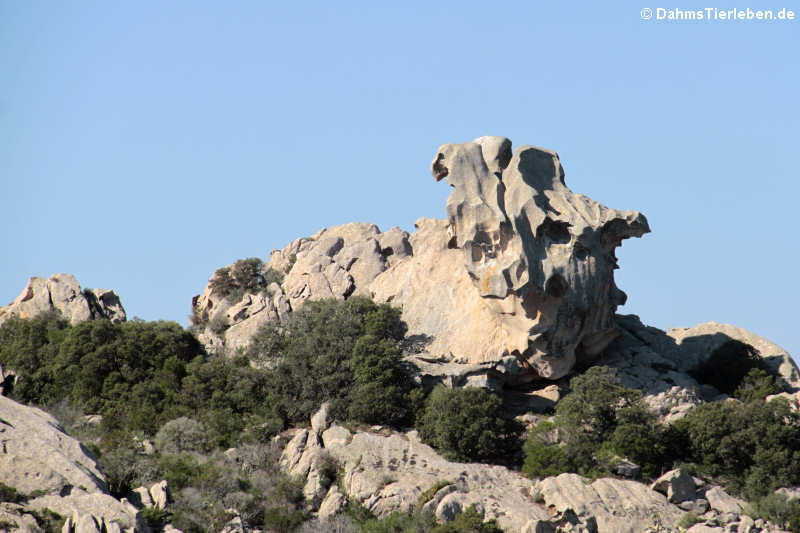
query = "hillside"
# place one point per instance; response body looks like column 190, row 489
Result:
column 470, row 376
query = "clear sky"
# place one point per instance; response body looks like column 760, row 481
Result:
column 145, row 144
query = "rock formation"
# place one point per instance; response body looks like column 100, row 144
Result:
column 61, row 292
column 527, row 264
column 388, row 471
column 42, row 462
column 540, row 256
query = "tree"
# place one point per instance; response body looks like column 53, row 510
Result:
column 467, row 424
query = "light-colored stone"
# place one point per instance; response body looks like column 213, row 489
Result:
column 703, row 528
column 533, row 249
column 618, row 505
column 62, row 293
column 696, row 343
column 721, row 501
column 36, row 454
column 336, row 435
column 334, row 502
column 96, row 507
column 159, row 494
column 677, row 485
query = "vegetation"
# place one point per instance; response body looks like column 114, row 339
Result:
column 245, row 275
column 598, row 415
column 346, row 353
column 751, row 447
column 151, row 382
column 474, row 427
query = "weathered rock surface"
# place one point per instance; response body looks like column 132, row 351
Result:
column 36, row 454
column 388, row 472
column 656, row 361
column 517, row 284
column 335, row 262
column 618, row 505
column 87, row 513
column 61, row 292
column 540, row 256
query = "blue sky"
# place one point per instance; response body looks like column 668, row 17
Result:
column 144, row 145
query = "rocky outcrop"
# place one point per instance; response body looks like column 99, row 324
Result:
column 335, row 262
column 657, row 362
column 53, row 470
column 540, row 257
column 387, row 471
column 61, row 292
column 37, row 456
column 517, row 284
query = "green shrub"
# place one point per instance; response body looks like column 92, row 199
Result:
column 155, row 518
column 343, row 352
column 181, row 435
column 10, row 494
column 283, row 519
column 468, row 424
column 469, row 521
column 779, row 510
column 688, row 520
column 753, row 447
column 245, row 275
column 544, row 455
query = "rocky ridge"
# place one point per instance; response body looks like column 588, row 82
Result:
column 54, row 472
column 387, row 471
column 527, row 263
column 61, row 292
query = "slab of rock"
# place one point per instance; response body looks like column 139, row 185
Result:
column 97, row 510
column 722, row 502
column 695, row 344
column 62, row 293
column 388, row 472
column 678, row 485
column 36, row 454
column 618, row 505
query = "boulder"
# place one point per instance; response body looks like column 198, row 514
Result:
column 540, row 257
column 62, row 293
column 722, row 502
column 678, row 485
column 334, row 502
column 617, row 505
column 97, row 510
column 37, row 456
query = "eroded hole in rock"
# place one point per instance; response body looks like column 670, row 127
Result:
column 557, row 232
column 386, row 252
column 439, row 170
column 476, row 252
column 556, row 286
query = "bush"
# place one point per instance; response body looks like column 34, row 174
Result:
column 544, row 455
column 343, row 352
column 181, row 435
column 245, row 275
column 598, row 415
column 779, row 510
column 468, row 424
column 688, row 520
column 753, row 448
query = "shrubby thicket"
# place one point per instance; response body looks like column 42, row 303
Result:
column 748, row 445
column 151, row 382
